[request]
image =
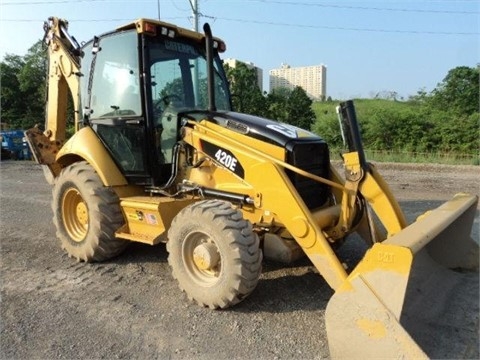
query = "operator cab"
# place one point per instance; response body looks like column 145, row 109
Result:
column 134, row 85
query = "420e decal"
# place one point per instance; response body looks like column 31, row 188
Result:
column 224, row 157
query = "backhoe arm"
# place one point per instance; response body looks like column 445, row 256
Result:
column 64, row 56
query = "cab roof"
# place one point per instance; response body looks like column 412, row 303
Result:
column 142, row 25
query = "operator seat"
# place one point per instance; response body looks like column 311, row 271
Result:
column 169, row 130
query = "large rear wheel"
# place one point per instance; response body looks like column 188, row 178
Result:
column 214, row 254
column 86, row 214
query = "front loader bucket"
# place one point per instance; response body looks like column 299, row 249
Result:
column 415, row 295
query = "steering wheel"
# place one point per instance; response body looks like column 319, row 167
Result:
column 167, row 99
column 161, row 104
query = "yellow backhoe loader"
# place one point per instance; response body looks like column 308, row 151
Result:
column 158, row 155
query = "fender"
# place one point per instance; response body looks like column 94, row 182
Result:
column 95, row 154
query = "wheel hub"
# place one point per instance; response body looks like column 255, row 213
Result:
column 82, row 213
column 75, row 215
column 206, row 256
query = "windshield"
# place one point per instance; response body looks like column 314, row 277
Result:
column 178, row 71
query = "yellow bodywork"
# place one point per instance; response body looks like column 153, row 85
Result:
column 147, row 218
column 94, row 153
column 276, row 200
column 366, row 309
column 363, row 316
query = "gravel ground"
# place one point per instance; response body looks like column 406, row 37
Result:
column 130, row 307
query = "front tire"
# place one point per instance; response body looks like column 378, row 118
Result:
column 214, row 254
column 86, row 214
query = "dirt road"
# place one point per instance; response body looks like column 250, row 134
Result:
column 130, row 307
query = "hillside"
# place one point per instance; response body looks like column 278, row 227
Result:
column 411, row 130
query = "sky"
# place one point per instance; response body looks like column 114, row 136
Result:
column 368, row 47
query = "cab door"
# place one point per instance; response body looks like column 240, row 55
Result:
column 112, row 98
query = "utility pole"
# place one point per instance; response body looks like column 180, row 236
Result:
column 194, row 5
column 158, row 8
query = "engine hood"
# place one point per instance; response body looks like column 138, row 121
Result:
column 270, row 131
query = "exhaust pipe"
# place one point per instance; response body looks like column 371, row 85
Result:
column 210, row 78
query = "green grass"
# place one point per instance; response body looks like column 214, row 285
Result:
column 432, row 158
column 361, row 106
column 416, row 158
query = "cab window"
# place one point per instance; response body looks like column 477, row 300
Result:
column 116, row 82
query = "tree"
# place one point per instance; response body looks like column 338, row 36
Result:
column 23, row 88
column 293, row 107
column 326, row 125
column 459, row 91
column 11, row 101
column 32, row 78
column 172, row 89
column 299, row 109
column 246, row 95
column 277, row 104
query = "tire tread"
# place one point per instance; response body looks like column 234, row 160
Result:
column 105, row 215
column 242, row 241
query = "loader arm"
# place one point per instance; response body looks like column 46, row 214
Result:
column 367, row 182
column 63, row 74
column 371, row 314
column 270, row 189
column 361, row 178
column 365, row 317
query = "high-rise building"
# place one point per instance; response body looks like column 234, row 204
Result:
column 313, row 79
column 233, row 63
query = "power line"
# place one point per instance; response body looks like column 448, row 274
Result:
column 347, row 28
column 324, row 27
column 64, row 2
column 294, row 3
column 177, row 7
column 88, row 20
column 366, row 7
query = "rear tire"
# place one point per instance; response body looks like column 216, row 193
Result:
column 86, row 214
column 214, row 254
